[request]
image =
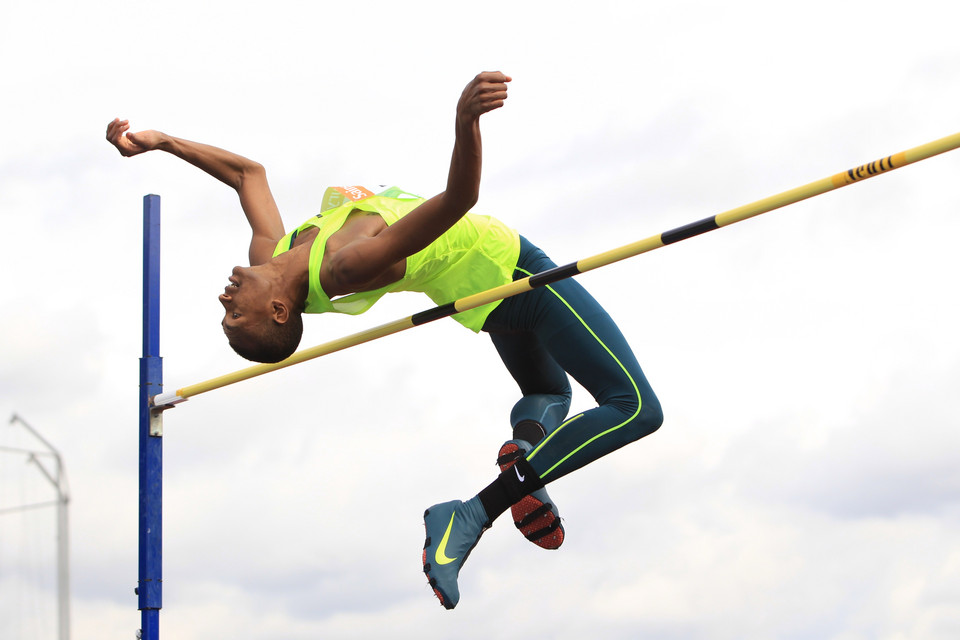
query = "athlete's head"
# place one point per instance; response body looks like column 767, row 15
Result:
column 260, row 324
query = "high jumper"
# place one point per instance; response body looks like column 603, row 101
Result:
column 344, row 259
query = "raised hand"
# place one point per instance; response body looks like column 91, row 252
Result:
column 486, row 92
column 130, row 143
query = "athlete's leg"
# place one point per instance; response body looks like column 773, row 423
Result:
column 582, row 339
column 544, row 405
column 592, row 349
column 543, row 383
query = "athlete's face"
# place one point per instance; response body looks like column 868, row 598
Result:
column 246, row 300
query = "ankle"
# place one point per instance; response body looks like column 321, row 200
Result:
column 511, row 486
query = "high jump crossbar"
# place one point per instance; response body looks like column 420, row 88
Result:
column 836, row 181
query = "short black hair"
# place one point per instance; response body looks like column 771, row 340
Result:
column 270, row 341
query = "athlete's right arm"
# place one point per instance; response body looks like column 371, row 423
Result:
column 247, row 177
column 366, row 258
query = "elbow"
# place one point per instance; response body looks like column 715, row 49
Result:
column 470, row 201
column 461, row 200
column 249, row 170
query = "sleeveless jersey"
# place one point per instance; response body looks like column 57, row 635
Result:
column 476, row 254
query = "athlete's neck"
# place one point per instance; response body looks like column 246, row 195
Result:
column 291, row 272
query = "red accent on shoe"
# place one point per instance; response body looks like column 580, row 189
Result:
column 430, row 580
column 548, row 522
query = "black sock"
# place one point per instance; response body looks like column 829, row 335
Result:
column 530, row 431
column 509, row 488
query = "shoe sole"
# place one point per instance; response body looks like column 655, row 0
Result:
column 427, row 566
column 535, row 519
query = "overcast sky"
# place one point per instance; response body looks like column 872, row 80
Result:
column 806, row 481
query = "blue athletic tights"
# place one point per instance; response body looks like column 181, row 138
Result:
column 548, row 332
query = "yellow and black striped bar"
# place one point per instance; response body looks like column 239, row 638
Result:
column 845, row 178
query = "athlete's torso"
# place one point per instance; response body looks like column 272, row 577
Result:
column 476, row 254
column 358, row 225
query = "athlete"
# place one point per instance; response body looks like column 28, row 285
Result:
column 350, row 255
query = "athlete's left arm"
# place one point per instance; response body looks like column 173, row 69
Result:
column 365, row 258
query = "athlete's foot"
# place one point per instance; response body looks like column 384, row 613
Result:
column 535, row 515
column 453, row 530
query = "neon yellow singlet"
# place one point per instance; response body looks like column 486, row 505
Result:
column 476, row 254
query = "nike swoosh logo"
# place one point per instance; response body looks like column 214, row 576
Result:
column 519, row 477
column 441, row 555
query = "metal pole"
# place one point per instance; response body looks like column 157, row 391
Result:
column 59, row 481
column 149, row 586
column 63, row 564
column 726, row 218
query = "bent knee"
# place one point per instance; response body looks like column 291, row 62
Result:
column 647, row 416
column 651, row 413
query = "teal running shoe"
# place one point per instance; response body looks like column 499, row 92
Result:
column 535, row 515
column 453, row 530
